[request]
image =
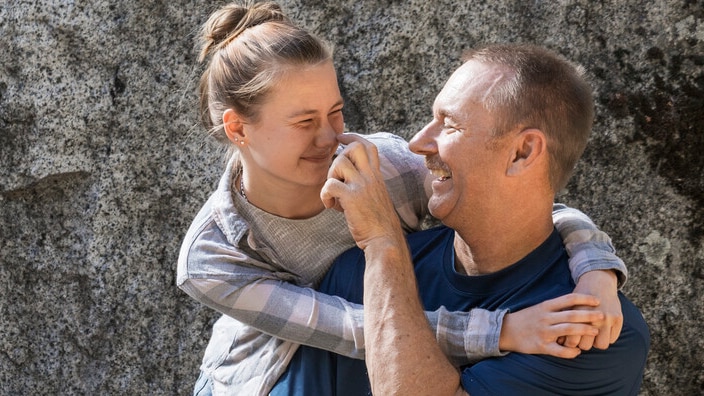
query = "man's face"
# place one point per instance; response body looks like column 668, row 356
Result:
column 456, row 145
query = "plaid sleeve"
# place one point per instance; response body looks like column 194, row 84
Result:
column 259, row 298
column 589, row 248
column 233, row 283
column 406, row 178
column 467, row 337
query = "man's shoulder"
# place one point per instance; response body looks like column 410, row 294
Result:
column 637, row 333
column 616, row 370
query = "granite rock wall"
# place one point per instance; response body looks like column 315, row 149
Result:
column 103, row 166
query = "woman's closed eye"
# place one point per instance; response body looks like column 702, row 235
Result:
column 306, row 123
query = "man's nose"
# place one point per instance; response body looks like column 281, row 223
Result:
column 424, row 141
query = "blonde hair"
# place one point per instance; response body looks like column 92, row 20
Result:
column 247, row 48
column 543, row 91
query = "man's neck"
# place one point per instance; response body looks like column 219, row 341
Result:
column 484, row 250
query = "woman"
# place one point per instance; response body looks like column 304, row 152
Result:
column 263, row 240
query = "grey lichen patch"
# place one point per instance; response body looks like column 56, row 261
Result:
column 656, row 249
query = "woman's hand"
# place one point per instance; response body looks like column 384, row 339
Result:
column 603, row 285
column 536, row 329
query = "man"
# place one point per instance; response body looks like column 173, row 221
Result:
column 507, row 130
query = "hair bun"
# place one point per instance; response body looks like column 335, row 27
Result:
column 227, row 23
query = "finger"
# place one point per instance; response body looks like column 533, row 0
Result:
column 572, row 341
column 568, row 330
column 602, row 341
column 343, row 169
column 561, row 340
column 578, row 316
column 578, row 335
column 609, row 333
column 361, row 152
column 349, row 138
column 587, row 342
column 335, row 170
column 329, row 193
column 560, row 351
column 571, row 300
column 616, row 330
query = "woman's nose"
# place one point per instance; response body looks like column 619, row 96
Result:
column 327, row 135
column 329, row 130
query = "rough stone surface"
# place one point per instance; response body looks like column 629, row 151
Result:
column 103, row 166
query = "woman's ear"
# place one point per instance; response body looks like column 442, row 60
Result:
column 530, row 148
column 234, row 126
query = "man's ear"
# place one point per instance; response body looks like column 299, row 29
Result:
column 233, row 124
column 529, row 148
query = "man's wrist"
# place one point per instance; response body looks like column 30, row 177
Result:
column 390, row 248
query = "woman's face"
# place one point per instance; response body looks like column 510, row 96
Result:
column 292, row 143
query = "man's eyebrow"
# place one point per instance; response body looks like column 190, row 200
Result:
column 443, row 114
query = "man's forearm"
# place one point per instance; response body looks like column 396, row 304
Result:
column 402, row 354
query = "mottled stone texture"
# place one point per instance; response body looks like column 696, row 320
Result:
column 103, row 166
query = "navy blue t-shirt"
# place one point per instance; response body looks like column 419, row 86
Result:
column 542, row 275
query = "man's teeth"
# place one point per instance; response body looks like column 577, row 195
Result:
column 441, row 174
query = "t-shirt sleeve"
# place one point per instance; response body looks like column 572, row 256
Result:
column 617, row 370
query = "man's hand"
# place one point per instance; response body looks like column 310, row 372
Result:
column 356, row 187
column 402, row 356
column 603, row 285
column 536, row 329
